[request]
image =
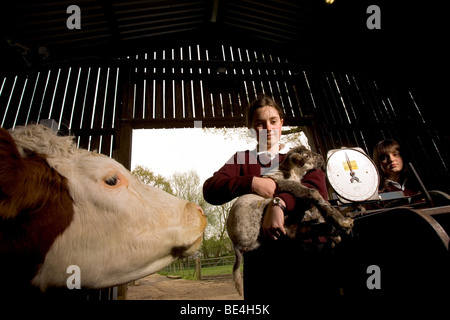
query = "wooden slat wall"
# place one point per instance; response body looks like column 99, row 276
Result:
column 214, row 85
column 173, row 87
column 78, row 98
column 354, row 111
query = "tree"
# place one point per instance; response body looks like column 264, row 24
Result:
column 215, row 238
column 291, row 135
column 187, row 186
column 145, row 175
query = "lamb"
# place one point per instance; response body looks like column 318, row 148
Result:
column 244, row 219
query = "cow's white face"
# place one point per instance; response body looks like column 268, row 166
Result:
column 121, row 229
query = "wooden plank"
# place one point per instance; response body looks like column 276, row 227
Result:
column 79, row 97
column 375, row 94
column 159, row 86
column 88, row 106
column 168, row 89
column 6, row 85
column 187, row 99
column 330, row 138
column 207, row 102
column 10, row 108
column 216, row 81
column 106, row 145
column 44, row 111
column 193, row 55
column 264, row 71
column 109, row 96
column 358, row 99
column 216, row 100
column 69, row 100
column 237, row 98
column 187, row 85
column 99, row 107
column 25, row 103
column 303, row 97
column 274, row 84
column 285, row 96
column 332, row 99
column 206, row 122
column 86, row 101
column 58, row 94
column 89, row 103
column 17, row 106
column 122, row 150
column 228, row 84
column 241, row 61
column 250, row 91
column 169, row 101
column 349, row 96
column 138, row 97
column 122, row 138
column 83, row 142
column 149, row 89
column 179, row 106
column 257, row 87
column 198, row 99
column 111, row 99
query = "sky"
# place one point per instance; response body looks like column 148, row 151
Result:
column 167, row 151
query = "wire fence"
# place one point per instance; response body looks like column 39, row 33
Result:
column 193, row 267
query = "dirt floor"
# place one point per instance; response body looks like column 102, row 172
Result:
column 158, row 287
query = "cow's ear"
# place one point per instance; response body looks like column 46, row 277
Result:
column 11, row 167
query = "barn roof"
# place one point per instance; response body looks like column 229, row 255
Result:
column 310, row 29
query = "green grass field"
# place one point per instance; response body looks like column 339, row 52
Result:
column 189, row 274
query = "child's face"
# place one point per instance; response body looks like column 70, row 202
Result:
column 267, row 124
column 391, row 163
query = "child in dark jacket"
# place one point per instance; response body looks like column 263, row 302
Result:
column 272, row 270
column 244, row 172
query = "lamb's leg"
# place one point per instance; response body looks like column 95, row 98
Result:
column 237, row 272
column 300, row 191
column 332, row 214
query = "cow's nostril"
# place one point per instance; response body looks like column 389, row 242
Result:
column 179, row 251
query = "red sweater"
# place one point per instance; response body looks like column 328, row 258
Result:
column 234, row 179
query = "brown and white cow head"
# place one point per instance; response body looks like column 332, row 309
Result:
column 63, row 206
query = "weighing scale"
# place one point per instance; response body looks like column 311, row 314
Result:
column 352, row 174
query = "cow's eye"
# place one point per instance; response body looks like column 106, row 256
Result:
column 112, row 181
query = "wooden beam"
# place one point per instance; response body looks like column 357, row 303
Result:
column 206, row 122
column 215, row 10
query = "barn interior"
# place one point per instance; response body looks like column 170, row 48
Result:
column 348, row 74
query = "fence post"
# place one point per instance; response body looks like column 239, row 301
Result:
column 198, row 268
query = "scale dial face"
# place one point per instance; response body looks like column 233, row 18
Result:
column 352, row 174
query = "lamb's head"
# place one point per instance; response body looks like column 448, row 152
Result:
column 298, row 161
